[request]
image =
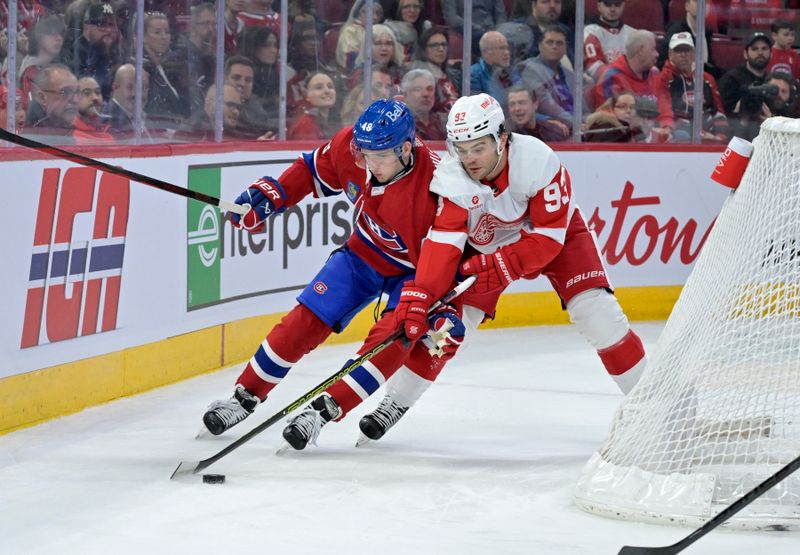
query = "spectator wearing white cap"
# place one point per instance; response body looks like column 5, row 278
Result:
column 677, row 80
column 688, row 24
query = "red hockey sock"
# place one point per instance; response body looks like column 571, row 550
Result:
column 622, row 355
column 297, row 334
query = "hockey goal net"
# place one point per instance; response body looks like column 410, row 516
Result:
column 718, row 408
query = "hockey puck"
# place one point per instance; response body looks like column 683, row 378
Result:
column 213, row 478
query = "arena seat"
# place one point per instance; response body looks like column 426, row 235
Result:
column 645, row 14
column 728, row 52
column 333, row 12
column 329, row 41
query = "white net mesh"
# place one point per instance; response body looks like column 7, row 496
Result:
column 718, row 408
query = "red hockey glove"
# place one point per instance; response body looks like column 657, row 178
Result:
column 412, row 310
column 265, row 197
column 446, row 332
column 495, row 271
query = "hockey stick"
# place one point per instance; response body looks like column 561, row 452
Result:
column 144, row 179
column 193, row 467
column 724, row 515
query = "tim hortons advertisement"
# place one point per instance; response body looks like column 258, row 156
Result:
column 94, row 263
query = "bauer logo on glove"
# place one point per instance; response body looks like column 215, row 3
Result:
column 265, row 198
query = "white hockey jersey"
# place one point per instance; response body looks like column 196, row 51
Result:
column 602, row 45
column 534, row 203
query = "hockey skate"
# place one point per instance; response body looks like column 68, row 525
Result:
column 223, row 415
column 305, row 427
column 375, row 424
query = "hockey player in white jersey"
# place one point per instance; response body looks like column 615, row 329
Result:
column 507, row 212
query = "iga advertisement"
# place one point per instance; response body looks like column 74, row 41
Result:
column 95, row 264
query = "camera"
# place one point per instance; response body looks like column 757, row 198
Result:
column 757, row 95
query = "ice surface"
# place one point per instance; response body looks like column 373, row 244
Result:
column 484, row 464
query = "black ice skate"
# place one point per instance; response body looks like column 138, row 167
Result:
column 223, row 415
column 305, row 427
column 375, row 424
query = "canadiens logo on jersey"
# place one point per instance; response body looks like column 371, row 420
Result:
column 484, row 231
column 352, row 191
column 383, row 238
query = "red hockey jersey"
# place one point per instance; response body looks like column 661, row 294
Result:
column 391, row 219
column 787, row 61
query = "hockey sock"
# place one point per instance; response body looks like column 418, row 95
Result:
column 298, row 333
column 625, row 361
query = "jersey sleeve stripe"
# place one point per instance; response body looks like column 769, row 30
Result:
column 558, row 234
column 322, row 188
column 457, row 239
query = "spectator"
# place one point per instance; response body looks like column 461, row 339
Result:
column 408, row 21
column 522, row 106
column 554, row 84
column 784, row 58
column 253, row 120
column 677, row 80
column 316, row 122
column 784, row 102
column 635, row 71
column 44, row 48
column 55, row 103
column 259, row 13
column 382, row 83
column 303, row 60
column 200, row 126
column 353, row 104
column 543, row 14
column 612, row 121
column 233, row 25
column 689, row 25
column 733, row 85
column 351, row 35
column 486, row 16
column 168, row 98
column 432, row 55
column 120, row 109
column 260, row 46
column 195, row 51
column 88, row 126
column 419, row 90
column 387, row 56
column 604, row 38
column 19, row 109
column 96, row 51
column 491, row 74
column 303, row 12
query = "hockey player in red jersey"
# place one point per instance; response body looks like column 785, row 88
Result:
column 385, row 172
column 507, row 199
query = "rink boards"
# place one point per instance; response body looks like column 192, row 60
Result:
column 113, row 287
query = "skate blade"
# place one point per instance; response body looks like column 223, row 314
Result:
column 362, row 440
column 285, row 447
column 203, row 433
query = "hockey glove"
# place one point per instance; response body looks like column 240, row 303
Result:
column 446, row 332
column 412, row 310
column 265, row 197
column 495, row 271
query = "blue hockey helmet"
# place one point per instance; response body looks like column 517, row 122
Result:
column 385, row 124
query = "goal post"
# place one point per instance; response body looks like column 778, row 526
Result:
column 718, row 408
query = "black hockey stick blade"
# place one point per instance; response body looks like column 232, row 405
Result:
column 720, row 518
column 193, row 467
column 138, row 177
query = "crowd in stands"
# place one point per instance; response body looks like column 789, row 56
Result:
column 76, row 76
